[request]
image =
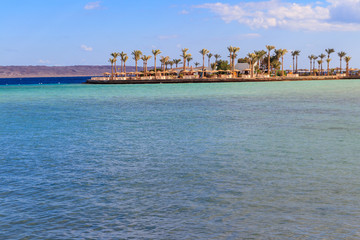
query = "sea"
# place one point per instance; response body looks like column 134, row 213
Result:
column 265, row 160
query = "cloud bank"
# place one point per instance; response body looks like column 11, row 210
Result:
column 332, row 15
column 86, row 48
column 92, row 5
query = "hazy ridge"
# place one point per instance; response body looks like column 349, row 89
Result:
column 56, row 71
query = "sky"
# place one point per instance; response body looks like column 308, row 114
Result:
column 83, row 32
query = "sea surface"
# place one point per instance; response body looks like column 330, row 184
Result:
column 44, row 80
column 277, row 160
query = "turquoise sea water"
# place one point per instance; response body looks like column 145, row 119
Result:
column 273, row 160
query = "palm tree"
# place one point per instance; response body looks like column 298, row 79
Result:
column 155, row 53
column 209, row 55
column 341, row 55
column 311, row 59
column 314, row 59
column 217, row 56
column 295, row 54
column 176, row 61
column 184, row 56
column 122, row 55
column 112, row 61
column 252, row 59
column 329, row 51
column 282, row 52
column 164, row 60
column 115, row 55
column 276, row 65
column 231, row 50
column 320, row 62
column 321, row 56
column 234, row 55
column 124, row 60
column 328, row 63
column 196, row 64
column 347, row 60
column 137, row 55
column 188, row 59
column 213, row 66
column 203, row 52
column 171, row 63
column 259, row 56
column 145, row 59
column 269, row 48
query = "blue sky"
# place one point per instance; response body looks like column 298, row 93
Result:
column 82, row 32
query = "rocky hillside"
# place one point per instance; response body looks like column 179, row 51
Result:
column 54, row 71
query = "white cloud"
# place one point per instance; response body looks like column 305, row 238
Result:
column 249, row 35
column 184, row 12
column 86, row 48
column 165, row 37
column 92, row 5
column 338, row 15
column 41, row 61
column 346, row 11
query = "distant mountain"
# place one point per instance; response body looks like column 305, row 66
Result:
column 54, row 71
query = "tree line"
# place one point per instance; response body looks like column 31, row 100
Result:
column 262, row 61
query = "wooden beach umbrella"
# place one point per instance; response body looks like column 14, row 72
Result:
column 106, row 74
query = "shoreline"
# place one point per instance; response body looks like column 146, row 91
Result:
column 219, row 80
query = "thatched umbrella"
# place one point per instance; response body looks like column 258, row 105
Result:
column 106, row 74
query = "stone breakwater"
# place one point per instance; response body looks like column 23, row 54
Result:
column 210, row 80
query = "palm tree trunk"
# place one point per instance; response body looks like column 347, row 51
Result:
column 321, row 72
column 251, row 69
column 347, row 69
column 340, row 64
column 282, row 66
column 293, row 64
column 155, row 66
column 296, row 70
column 327, row 68
column 269, row 67
column 202, row 74
column 233, row 63
column 314, row 67
column 230, row 60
